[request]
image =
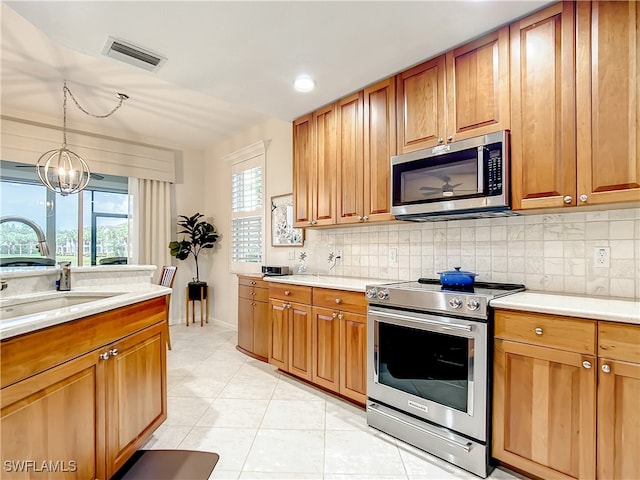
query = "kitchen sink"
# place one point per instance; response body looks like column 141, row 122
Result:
column 11, row 308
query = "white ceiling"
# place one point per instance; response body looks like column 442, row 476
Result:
column 230, row 64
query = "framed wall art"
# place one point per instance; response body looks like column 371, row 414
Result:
column 282, row 232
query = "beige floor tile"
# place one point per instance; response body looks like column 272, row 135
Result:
column 362, row 452
column 295, row 415
column 232, row 444
column 286, row 451
column 234, row 413
column 186, row 410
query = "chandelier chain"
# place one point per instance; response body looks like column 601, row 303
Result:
column 65, row 90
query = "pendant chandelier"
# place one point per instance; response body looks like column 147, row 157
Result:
column 62, row 170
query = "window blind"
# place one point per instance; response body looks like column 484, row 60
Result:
column 247, row 212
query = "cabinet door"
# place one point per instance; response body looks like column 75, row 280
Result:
column 350, row 182
column 478, row 86
column 54, row 417
column 261, row 330
column 543, row 159
column 618, row 419
column 379, row 147
column 353, row 356
column 279, row 334
column 245, row 324
column 136, row 400
column 300, row 336
column 608, row 101
column 324, row 184
column 303, row 170
column 422, row 106
column 544, row 410
column 326, row 348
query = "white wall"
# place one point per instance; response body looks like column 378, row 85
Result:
column 217, row 201
column 189, row 189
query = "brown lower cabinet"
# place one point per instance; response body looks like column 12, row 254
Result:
column 566, row 395
column 322, row 340
column 86, row 412
column 253, row 316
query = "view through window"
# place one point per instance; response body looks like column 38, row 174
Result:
column 89, row 228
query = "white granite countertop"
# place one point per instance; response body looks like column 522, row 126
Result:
column 595, row 308
column 325, row 281
column 121, row 295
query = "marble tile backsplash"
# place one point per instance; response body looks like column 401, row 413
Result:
column 550, row 252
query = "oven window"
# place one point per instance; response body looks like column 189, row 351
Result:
column 434, row 366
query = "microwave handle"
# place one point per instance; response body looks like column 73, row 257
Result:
column 481, row 154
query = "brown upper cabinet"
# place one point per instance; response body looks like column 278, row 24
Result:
column 314, row 166
column 575, row 105
column 303, row 170
column 461, row 94
column 341, row 157
column 608, row 101
column 543, row 149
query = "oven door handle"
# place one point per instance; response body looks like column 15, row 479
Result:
column 464, row 446
column 405, row 319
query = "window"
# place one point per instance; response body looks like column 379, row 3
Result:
column 85, row 229
column 247, row 214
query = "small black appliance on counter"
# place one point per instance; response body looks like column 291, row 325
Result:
column 275, row 270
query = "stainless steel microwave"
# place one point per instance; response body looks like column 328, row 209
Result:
column 464, row 179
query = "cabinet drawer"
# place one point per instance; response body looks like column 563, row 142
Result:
column 552, row 331
column 619, row 341
column 261, row 294
column 340, row 300
column 292, row 293
column 253, row 282
column 253, row 293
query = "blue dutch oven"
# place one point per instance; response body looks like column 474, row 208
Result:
column 457, row 278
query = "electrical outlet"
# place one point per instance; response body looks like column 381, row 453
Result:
column 393, row 256
column 602, row 257
column 292, row 255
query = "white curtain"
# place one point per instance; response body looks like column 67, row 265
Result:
column 150, row 222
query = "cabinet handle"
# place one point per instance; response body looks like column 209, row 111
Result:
column 449, row 138
column 567, row 199
column 113, row 352
column 309, row 222
column 359, row 218
column 334, row 314
column 253, row 304
column 253, row 283
column 365, row 218
column 104, row 356
column 538, row 331
column 313, row 222
column 287, row 292
column 340, row 316
column 288, row 305
column 583, row 198
column 440, row 140
column 338, row 300
column 586, row 364
column 606, row 368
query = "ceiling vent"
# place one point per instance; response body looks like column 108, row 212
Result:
column 133, row 55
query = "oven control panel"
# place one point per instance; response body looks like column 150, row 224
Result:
column 462, row 304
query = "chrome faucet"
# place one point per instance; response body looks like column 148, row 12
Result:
column 64, row 280
column 42, row 246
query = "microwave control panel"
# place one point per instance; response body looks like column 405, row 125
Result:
column 493, row 172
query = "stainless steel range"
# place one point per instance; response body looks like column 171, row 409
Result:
column 428, row 357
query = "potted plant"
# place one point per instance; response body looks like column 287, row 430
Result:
column 198, row 235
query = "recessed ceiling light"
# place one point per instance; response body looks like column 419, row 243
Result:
column 304, row 83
